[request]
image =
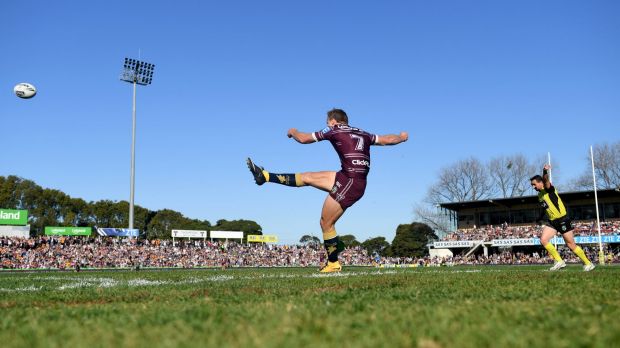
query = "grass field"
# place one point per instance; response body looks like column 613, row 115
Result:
column 360, row 307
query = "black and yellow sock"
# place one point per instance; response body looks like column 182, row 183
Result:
column 330, row 240
column 284, row 179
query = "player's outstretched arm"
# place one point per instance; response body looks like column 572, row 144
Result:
column 392, row 139
column 301, row 137
column 545, row 176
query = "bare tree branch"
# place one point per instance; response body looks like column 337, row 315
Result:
column 606, row 168
column 510, row 175
column 431, row 216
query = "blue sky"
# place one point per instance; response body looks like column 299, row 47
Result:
column 465, row 78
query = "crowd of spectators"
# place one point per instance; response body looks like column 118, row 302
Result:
column 504, row 257
column 47, row 252
column 102, row 252
column 505, row 231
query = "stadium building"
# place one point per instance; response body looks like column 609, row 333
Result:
column 527, row 210
column 484, row 225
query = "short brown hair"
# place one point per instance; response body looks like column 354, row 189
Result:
column 338, row 115
column 536, row 178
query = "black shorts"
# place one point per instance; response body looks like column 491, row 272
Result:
column 562, row 225
column 346, row 191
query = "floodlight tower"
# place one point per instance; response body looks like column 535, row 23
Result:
column 137, row 73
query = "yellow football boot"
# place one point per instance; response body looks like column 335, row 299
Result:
column 331, row 267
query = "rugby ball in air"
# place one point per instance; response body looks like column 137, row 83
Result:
column 25, row 90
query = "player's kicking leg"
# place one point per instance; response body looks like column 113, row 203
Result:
column 321, row 180
column 331, row 212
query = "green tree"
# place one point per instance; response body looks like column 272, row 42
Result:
column 17, row 193
column 411, row 240
column 349, row 240
column 246, row 226
column 164, row 222
column 376, row 245
column 46, row 209
column 75, row 212
column 309, row 240
column 107, row 213
column 141, row 218
column 9, row 188
column 195, row 224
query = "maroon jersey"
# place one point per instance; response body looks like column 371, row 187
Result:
column 353, row 147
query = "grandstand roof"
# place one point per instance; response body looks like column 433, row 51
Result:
column 510, row 202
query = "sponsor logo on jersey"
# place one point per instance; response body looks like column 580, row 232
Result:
column 361, row 163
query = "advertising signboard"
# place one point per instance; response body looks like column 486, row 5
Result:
column 118, row 232
column 68, row 231
column 455, row 244
column 226, row 234
column 13, row 217
column 188, row 234
column 254, row 238
column 15, row 231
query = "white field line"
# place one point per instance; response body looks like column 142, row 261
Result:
column 101, row 282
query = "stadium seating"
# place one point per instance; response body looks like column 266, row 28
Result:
column 488, row 233
column 106, row 252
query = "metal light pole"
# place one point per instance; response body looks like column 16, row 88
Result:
column 601, row 255
column 137, row 73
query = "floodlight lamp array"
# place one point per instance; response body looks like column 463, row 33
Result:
column 135, row 71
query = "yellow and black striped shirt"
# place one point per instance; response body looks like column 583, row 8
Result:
column 551, row 201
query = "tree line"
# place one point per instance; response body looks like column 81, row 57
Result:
column 410, row 241
column 49, row 207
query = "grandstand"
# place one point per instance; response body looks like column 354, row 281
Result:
column 66, row 253
column 491, row 227
column 526, row 210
